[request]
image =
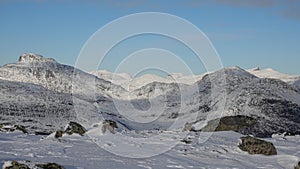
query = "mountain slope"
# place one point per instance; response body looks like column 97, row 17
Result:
column 40, row 109
column 270, row 73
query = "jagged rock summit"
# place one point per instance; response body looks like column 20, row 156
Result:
column 32, row 57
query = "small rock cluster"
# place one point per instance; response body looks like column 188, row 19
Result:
column 20, row 165
column 13, row 128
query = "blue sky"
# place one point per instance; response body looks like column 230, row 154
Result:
column 247, row 33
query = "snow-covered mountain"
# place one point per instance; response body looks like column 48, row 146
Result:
column 270, row 73
column 33, row 68
column 152, row 103
column 273, row 103
column 131, row 84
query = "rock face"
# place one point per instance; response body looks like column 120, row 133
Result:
column 37, row 108
column 233, row 123
column 256, row 146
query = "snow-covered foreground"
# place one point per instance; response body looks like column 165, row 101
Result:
column 219, row 151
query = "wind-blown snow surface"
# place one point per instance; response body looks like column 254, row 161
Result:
column 44, row 95
column 219, row 151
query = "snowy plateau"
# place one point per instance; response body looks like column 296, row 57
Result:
column 152, row 122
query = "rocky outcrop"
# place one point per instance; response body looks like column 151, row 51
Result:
column 229, row 123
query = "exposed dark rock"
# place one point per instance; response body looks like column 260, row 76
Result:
column 186, row 141
column 21, row 128
column 7, row 129
column 109, row 125
column 50, row 166
column 204, row 108
column 58, row 133
column 75, row 128
column 42, row 133
column 17, row 165
column 289, row 134
column 14, row 128
column 285, row 117
column 229, row 123
column 174, row 115
column 297, row 166
column 256, row 146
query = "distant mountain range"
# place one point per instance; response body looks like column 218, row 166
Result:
column 44, row 95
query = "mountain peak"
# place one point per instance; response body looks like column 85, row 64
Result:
column 31, row 57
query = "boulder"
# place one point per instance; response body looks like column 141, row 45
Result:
column 59, row 133
column 74, row 127
column 229, row 123
column 50, row 166
column 256, row 146
column 109, row 125
column 188, row 127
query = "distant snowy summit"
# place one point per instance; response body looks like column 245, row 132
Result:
column 270, row 73
column 132, row 83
